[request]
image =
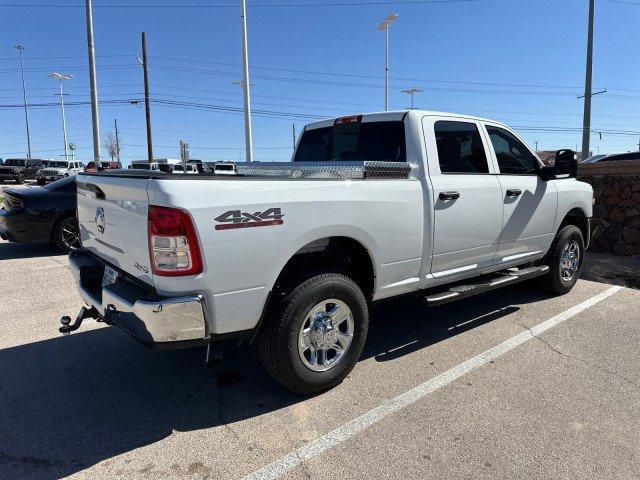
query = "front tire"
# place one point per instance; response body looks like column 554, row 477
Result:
column 314, row 338
column 20, row 179
column 66, row 236
column 565, row 260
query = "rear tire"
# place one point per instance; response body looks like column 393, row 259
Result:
column 333, row 312
column 66, row 236
column 565, row 260
column 20, row 179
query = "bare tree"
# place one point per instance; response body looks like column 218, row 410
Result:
column 111, row 145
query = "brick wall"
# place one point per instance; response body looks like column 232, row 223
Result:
column 616, row 188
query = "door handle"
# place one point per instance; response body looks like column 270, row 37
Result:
column 514, row 192
column 449, row 195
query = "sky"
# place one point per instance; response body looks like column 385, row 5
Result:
column 518, row 61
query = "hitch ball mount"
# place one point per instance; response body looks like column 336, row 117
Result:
column 68, row 327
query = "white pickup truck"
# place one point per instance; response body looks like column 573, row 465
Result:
column 291, row 255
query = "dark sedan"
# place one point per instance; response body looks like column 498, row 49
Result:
column 42, row 214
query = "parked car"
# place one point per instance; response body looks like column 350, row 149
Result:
column 153, row 166
column 291, row 255
column 110, row 165
column 92, row 167
column 620, row 157
column 20, row 169
column 594, row 158
column 58, row 169
column 188, row 169
column 46, row 214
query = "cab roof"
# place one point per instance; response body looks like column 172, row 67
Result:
column 397, row 115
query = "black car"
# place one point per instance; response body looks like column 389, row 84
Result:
column 619, row 157
column 20, row 169
column 42, row 214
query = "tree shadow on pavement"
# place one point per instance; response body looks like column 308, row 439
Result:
column 70, row 402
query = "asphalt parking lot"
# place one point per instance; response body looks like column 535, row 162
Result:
column 512, row 384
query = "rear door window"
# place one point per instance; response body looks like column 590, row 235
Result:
column 368, row 141
column 460, row 148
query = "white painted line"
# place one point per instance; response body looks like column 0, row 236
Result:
column 334, row 437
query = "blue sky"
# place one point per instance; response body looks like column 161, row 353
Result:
column 519, row 61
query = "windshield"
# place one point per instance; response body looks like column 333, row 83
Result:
column 58, row 165
column 141, row 166
column 14, row 162
column 369, row 141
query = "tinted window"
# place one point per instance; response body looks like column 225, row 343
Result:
column 66, row 185
column 513, row 156
column 12, row 162
column 622, row 156
column 460, row 148
column 374, row 141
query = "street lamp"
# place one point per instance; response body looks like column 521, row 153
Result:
column 246, row 84
column 22, row 48
column 62, row 77
column 412, row 92
column 384, row 25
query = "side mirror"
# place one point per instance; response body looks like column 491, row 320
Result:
column 565, row 166
column 566, row 163
column 547, row 172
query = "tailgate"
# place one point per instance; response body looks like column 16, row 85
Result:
column 112, row 212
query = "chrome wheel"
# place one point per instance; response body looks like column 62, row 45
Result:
column 69, row 235
column 569, row 261
column 326, row 335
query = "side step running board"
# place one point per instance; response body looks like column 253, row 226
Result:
column 463, row 291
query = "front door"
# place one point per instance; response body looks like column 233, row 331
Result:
column 529, row 203
column 467, row 197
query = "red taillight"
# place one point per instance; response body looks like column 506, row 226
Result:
column 346, row 120
column 173, row 245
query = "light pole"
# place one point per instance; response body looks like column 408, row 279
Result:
column 412, row 92
column 384, row 25
column 245, row 83
column 62, row 77
column 20, row 49
column 93, row 84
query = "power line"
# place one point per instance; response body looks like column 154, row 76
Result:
column 222, row 6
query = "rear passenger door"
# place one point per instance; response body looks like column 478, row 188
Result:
column 529, row 202
column 467, row 196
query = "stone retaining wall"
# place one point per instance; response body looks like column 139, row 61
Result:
column 616, row 188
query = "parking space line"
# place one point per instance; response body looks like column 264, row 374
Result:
column 49, row 267
column 338, row 435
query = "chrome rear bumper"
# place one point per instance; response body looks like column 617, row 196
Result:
column 157, row 321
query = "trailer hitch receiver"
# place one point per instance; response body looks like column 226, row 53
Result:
column 68, row 327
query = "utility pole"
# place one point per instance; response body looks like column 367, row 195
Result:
column 245, row 83
column 384, row 25
column 62, row 77
column 586, row 127
column 536, row 146
column 93, row 84
column 115, row 126
column 20, row 49
column 147, row 106
column 293, row 126
column 411, row 92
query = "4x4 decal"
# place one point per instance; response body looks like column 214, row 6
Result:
column 240, row 219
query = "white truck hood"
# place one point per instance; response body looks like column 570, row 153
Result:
column 112, row 212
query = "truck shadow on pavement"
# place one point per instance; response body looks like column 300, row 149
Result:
column 12, row 251
column 70, row 402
